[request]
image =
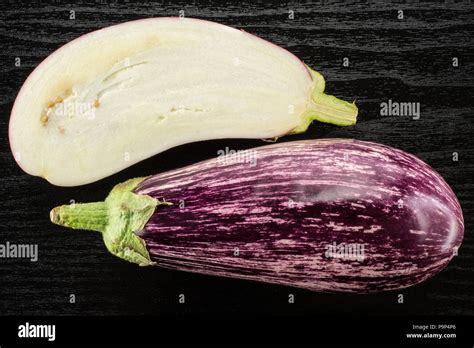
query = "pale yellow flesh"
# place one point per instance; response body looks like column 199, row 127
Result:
column 120, row 95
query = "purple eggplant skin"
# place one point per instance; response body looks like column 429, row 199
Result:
column 328, row 215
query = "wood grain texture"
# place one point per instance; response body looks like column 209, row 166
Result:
column 407, row 60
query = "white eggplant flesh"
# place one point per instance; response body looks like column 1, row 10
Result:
column 119, row 95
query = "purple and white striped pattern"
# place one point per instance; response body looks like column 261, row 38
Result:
column 273, row 222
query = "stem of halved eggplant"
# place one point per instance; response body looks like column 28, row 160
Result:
column 326, row 108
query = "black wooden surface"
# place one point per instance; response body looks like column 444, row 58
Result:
column 408, row 60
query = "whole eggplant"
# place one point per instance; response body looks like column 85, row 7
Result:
column 329, row 215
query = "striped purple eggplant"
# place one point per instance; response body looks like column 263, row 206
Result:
column 328, row 215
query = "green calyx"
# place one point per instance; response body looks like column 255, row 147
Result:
column 118, row 218
column 326, row 108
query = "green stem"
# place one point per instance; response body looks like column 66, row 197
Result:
column 326, row 108
column 118, row 218
column 84, row 216
column 329, row 109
